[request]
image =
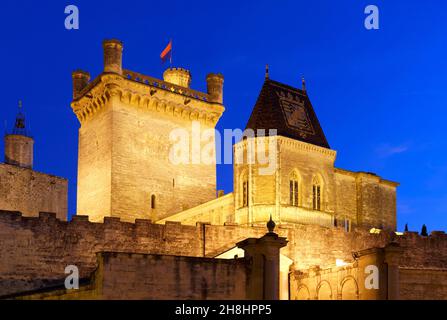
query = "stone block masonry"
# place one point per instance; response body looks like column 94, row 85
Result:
column 34, row 251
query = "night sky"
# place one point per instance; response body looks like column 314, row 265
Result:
column 380, row 95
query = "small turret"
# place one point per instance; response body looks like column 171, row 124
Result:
column 80, row 81
column 19, row 145
column 178, row 76
column 215, row 87
column 113, row 54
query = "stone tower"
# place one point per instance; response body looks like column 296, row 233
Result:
column 23, row 189
column 128, row 121
column 302, row 184
column 19, row 144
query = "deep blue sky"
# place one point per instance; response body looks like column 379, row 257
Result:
column 381, row 96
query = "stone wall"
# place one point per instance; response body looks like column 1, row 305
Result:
column 124, row 276
column 423, row 284
column 421, row 273
column 140, row 276
column 95, row 166
column 31, row 192
column 352, row 198
column 217, row 212
column 35, row 251
column 128, row 130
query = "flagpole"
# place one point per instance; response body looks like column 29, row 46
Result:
column 170, row 56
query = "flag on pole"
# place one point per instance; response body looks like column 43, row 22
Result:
column 167, row 52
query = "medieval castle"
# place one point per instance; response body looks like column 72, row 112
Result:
column 148, row 228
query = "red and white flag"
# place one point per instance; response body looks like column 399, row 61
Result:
column 167, row 52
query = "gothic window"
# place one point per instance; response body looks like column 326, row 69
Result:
column 316, row 194
column 153, row 201
column 294, row 189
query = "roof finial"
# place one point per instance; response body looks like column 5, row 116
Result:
column 19, row 126
column 271, row 225
column 266, row 71
column 303, row 83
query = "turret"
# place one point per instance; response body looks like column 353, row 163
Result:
column 215, row 87
column 19, row 144
column 80, row 81
column 178, row 76
column 113, row 54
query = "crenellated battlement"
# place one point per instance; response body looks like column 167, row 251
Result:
column 36, row 250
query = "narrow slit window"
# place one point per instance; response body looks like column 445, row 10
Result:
column 316, row 195
column 153, row 201
column 245, row 193
column 293, row 193
column 293, row 189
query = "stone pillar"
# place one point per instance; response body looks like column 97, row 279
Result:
column 80, row 81
column 113, row 53
column 215, row 87
column 392, row 258
column 263, row 254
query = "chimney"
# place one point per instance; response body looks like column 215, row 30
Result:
column 80, row 81
column 113, row 54
column 215, row 87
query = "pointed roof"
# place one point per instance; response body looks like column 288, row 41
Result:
column 289, row 111
column 19, row 125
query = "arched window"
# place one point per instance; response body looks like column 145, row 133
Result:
column 316, row 194
column 153, row 201
column 245, row 189
column 294, row 189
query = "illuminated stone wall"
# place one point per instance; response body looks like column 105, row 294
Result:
column 31, row 192
column 35, row 251
column 123, row 276
column 129, row 124
column 420, row 264
column 423, row 284
column 363, row 199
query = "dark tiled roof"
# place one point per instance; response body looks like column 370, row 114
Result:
column 289, row 111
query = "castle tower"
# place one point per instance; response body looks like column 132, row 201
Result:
column 301, row 185
column 23, row 189
column 19, row 144
column 130, row 126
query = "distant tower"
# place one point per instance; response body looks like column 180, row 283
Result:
column 19, row 143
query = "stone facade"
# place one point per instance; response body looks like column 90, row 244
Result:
column 35, row 252
column 31, row 192
column 124, row 164
column 188, row 278
column 347, row 198
column 409, row 268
